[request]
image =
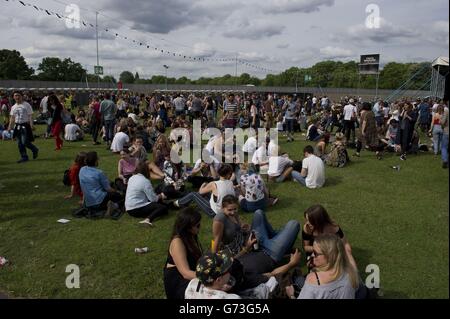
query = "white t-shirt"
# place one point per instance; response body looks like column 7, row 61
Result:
column 70, row 132
column 205, row 292
column 44, row 104
column 349, row 109
column 250, row 145
column 21, row 112
column 261, row 156
column 277, row 164
column 120, row 139
column 314, row 100
column 316, row 171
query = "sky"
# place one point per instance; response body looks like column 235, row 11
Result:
column 271, row 34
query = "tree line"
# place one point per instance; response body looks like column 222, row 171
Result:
column 322, row 74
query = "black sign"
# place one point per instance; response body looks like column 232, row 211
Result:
column 369, row 64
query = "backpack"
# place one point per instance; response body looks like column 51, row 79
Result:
column 66, row 178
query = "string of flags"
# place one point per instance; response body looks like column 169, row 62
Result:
column 141, row 43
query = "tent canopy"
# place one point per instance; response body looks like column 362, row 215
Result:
column 441, row 64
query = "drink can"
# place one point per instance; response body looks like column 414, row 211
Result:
column 141, row 250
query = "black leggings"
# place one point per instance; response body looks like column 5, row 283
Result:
column 114, row 197
column 150, row 211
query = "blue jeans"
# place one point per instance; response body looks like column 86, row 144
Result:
column 444, row 148
column 437, row 138
column 274, row 244
column 298, row 177
column 109, row 129
column 23, row 143
column 253, row 206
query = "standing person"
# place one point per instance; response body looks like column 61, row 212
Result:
column 231, row 112
column 349, row 120
column 424, row 115
column 290, row 115
column 56, row 109
column 108, row 113
column 313, row 170
column 368, row 131
column 180, row 105
column 268, row 112
column 20, row 117
column 184, row 252
column 378, row 112
column 96, row 120
column 43, row 107
column 444, row 147
column 404, row 135
column 140, row 198
column 436, row 128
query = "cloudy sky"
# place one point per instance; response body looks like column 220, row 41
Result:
column 272, row 34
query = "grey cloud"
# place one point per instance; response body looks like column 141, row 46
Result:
column 255, row 32
column 283, row 46
column 387, row 32
column 296, row 6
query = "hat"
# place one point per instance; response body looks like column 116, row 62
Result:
column 213, row 265
column 134, row 117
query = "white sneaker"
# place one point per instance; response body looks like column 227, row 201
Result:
column 145, row 222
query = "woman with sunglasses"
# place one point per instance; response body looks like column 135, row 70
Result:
column 184, row 252
column 334, row 275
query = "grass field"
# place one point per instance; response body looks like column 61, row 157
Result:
column 397, row 220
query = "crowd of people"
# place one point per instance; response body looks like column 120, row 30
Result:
column 244, row 260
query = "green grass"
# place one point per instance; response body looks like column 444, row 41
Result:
column 396, row 220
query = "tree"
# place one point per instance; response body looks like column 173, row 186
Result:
column 109, row 79
column 126, row 77
column 13, row 66
column 55, row 69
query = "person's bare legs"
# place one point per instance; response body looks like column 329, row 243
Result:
column 287, row 172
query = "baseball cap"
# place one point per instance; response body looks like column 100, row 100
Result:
column 213, row 265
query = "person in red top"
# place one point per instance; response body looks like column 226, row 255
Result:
column 73, row 175
column 96, row 122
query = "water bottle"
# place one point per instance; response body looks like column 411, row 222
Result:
column 141, row 250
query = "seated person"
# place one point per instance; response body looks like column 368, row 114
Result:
column 261, row 156
column 250, row 145
column 254, row 192
column 214, row 281
column 313, row 133
column 244, row 120
column 280, row 167
column 137, row 150
column 313, row 170
column 202, row 173
column 140, row 199
column 218, row 189
column 120, row 140
column 72, row 132
column 74, row 171
column 334, row 275
column 126, row 166
column 321, row 146
column 96, row 188
column 184, row 252
column 338, row 155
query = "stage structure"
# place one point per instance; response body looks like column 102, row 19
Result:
column 439, row 75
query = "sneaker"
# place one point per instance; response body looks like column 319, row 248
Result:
column 22, row 160
column 403, row 157
column 176, row 204
column 35, row 154
column 146, row 222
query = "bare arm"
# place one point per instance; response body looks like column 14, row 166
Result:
column 207, row 188
column 178, row 252
column 293, row 262
column 304, row 172
column 217, row 235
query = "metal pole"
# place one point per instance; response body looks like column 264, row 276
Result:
column 166, row 78
column 376, row 89
column 296, row 82
column 235, row 72
column 96, row 36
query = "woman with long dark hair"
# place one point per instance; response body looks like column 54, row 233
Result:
column 56, row 109
column 184, row 252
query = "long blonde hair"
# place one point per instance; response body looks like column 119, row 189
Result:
column 334, row 251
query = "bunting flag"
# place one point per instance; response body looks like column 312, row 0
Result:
column 186, row 57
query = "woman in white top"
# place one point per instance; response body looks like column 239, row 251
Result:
column 140, row 199
column 218, row 189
